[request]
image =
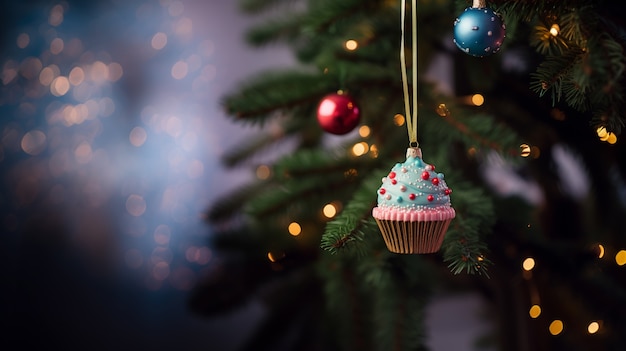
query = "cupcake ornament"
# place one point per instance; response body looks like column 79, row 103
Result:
column 413, row 210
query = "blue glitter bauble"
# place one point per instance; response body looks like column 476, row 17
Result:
column 479, row 31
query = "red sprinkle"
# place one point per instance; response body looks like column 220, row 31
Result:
column 425, row 175
column 412, row 196
column 392, row 175
column 382, row 191
column 435, row 181
column 447, row 191
column 430, row 198
column 393, row 181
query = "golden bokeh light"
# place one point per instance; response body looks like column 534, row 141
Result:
column 535, row 311
column 398, row 120
column 593, row 327
column 442, row 110
column 364, row 131
column 273, row 256
column 524, row 150
column 329, row 211
column 620, row 258
column 555, row 30
column 263, row 172
column 556, row 327
column 602, row 132
column 600, row 250
column 351, row 45
column 528, row 264
column 360, row 149
column 294, row 229
column 612, row 139
column 478, row 99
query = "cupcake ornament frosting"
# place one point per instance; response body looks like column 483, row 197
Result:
column 413, row 209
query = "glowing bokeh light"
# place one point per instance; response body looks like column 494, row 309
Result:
column 524, row 150
column 23, row 40
column 116, row 71
column 360, row 149
column 136, row 205
column 138, row 136
column 398, row 120
column 294, row 229
column 56, row 16
column 329, row 210
column 528, row 264
column 478, row 99
column 159, row 40
column 535, row 311
column 620, row 257
column 263, row 172
column 351, row 45
column 364, row 131
column 555, row 30
column 556, row 327
column 34, row 142
column 593, row 327
column 59, row 86
column 162, row 234
column 76, row 76
column 56, row 46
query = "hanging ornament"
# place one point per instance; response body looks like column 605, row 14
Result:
column 413, row 210
column 338, row 114
column 479, row 31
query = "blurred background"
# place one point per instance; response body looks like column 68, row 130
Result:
column 111, row 134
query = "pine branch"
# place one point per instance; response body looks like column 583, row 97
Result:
column 347, row 231
column 273, row 91
column 464, row 247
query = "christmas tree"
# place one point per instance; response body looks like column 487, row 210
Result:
column 525, row 129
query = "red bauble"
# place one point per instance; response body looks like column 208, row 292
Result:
column 338, row 114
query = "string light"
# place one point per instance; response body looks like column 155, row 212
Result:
column 478, row 99
column 351, row 45
column 263, row 172
column 524, row 150
column 600, row 250
column 535, row 311
column 360, row 149
column 556, row 327
column 294, row 229
column 620, row 258
column 528, row 264
column 364, row 131
column 593, row 327
column 398, row 120
column 329, row 210
column 442, row 110
column 555, row 30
